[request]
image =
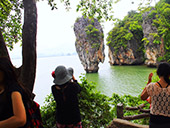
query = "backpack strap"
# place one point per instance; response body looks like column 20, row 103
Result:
column 159, row 84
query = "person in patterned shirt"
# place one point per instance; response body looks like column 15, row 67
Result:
column 159, row 93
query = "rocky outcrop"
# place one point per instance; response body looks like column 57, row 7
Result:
column 89, row 43
column 131, row 55
column 153, row 50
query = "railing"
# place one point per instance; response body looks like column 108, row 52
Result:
column 122, row 121
column 120, row 114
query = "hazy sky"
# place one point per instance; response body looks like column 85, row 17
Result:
column 55, row 33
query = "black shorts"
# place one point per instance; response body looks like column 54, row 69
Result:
column 157, row 121
column 154, row 125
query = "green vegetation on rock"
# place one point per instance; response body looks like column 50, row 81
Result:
column 93, row 34
column 162, row 22
column 128, row 28
column 131, row 26
column 160, row 16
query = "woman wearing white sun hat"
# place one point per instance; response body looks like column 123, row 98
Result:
column 65, row 90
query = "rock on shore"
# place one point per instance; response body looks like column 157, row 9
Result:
column 127, row 56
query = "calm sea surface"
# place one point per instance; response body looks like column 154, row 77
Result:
column 110, row 79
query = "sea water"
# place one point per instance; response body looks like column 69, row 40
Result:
column 122, row 80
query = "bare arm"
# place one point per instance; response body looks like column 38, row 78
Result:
column 74, row 78
column 19, row 118
column 77, row 84
column 150, row 78
column 144, row 94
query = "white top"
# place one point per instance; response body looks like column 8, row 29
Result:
column 160, row 99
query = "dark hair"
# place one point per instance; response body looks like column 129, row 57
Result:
column 164, row 70
column 10, row 77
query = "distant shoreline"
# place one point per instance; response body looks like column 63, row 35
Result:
column 53, row 55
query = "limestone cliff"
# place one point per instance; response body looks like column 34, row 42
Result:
column 125, row 41
column 153, row 50
column 132, row 41
column 89, row 43
column 131, row 55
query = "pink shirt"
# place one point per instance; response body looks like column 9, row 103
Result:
column 160, row 99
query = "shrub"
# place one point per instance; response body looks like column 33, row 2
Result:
column 94, row 107
column 97, row 110
column 48, row 112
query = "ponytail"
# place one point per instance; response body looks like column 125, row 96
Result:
column 164, row 70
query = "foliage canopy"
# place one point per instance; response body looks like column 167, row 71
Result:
column 100, row 9
column 10, row 21
column 11, row 15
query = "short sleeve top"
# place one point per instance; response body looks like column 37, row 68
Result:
column 6, row 109
column 160, row 99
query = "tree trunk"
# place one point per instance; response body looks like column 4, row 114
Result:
column 27, row 71
column 3, row 49
column 29, row 33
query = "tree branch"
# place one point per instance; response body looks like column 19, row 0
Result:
column 4, row 52
column 3, row 49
